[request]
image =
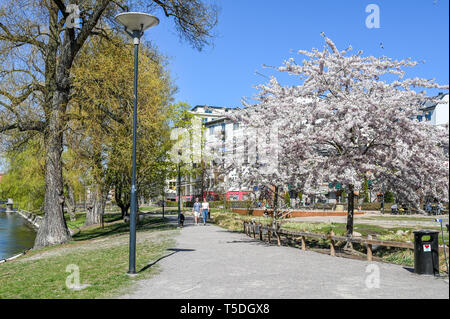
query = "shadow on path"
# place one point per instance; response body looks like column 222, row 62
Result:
column 174, row 251
column 411, row 270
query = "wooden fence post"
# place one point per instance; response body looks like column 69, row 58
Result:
column 268, row 234
column 369, row 249
column 254, row 230
column 303, row 243
column 332, row 247
column 260, row 232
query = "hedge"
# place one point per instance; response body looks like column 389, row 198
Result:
column 214, row 204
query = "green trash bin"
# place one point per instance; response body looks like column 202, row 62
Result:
column 426, row 252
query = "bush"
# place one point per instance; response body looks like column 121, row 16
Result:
column 216, row 204
column 287, row 199
column 371, row 206
column 389, row 197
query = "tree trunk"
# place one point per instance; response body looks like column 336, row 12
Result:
column 163, row 203
column 59, row 57
column 350, row 210
column 124, row 210
column 275, row 203
column 70, row 203
column 94, row 215
column 53, row 229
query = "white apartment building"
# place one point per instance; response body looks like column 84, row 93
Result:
column 435, row 113
column 216, row 130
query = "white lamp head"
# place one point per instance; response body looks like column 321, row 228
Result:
column 137, row 21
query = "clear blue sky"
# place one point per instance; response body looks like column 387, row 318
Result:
column 256, row 32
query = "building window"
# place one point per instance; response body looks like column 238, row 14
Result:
column 208, row 111
column 211, row 130
column 223, row 131
column 428, row 116
column 419, row 118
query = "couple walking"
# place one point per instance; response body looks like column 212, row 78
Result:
column 204, row 207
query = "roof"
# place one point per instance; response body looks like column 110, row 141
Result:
column 430, row 104
column 210, row 106
column 215, row 121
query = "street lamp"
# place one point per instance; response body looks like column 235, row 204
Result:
column 135, row 24
column 179, row 188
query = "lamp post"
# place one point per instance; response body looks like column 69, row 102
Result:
column 179, row 193
column 135, row 24
column 179, row 188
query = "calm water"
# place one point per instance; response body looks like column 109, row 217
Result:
column 16, row 235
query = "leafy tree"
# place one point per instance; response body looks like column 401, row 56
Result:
column 101, row 134
column 24, row 179
column 38, row 48
column 389, row 197
column 287, row 199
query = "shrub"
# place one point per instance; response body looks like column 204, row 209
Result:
column 217, row 204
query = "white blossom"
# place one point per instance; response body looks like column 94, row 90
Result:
column 350, row 116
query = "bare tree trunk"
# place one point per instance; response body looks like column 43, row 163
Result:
column 53, row 229
column 94, row 216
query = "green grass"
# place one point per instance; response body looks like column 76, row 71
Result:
column 234, row 221
column 321, row 228
column 102, row 267
column 81, row 219
column 396, row 256
column 118, row 228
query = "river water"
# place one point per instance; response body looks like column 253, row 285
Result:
column 16, row 235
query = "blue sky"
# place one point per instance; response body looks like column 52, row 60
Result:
column 251, row 33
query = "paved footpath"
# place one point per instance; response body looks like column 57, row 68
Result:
column 211, row 262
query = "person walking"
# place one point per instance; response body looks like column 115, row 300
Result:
column 428, row 208
column 196, row 210
column 205, row 210
column 438, row 208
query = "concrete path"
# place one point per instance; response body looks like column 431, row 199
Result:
column 211, row 262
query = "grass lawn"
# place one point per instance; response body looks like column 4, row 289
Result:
column 101, row 256
column 234, row 221
column 81, row 219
